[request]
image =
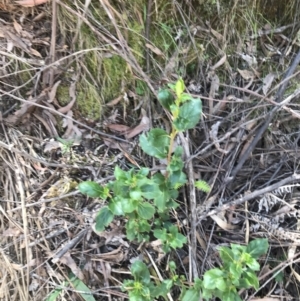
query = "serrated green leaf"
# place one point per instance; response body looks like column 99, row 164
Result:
column 103, row 218
column 226, row 255
column 177, row 179
column 191, row 295
column 137, row 229
column 160, row 234
column 140, row 272
column 176, row 160
column 249, row 280
column 150, row 190
column 178, row 241
column 210, row 278
column 135, row 194
column 257, row 247
column 230, row 296
column 179, row 87
column 156, row 143
column 145, row 210
column 120, row 174
column 202, row 185
column 93, row 190
column 253, row 264
column 162, row 289
column 184, row 97
column 165, row 98
column 189, row 115
column 115, row 205
column 236, row 270
column 129, row 205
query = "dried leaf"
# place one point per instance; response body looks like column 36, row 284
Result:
column 219, row 63
column 69, row 261
column 34, row 52
column 250, row 59
column 115, row 101
column 17, row 27
column 154, row 49
column 118, row 127
column 267, row 82
column 30, row 3
column 52, row 93
column 143, row 126
column 223, row 224
column 52, row 145
column 11, row 232
column 217, row 35
column 246, row 74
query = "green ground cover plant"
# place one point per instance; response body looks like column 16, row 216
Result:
column 145, row 201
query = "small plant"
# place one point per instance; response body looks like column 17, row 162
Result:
column 142, row 288
column 65, row 145
column 237, row 272
column 144, row 200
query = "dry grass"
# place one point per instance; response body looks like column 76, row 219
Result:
column 234, row 55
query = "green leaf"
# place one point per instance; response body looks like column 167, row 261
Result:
column 85, row 292
column 166, row 98
column 55, row 293
column 257, row 247
column 164, row 194
column 120, row 174
column 140, row 272
column 230, row 296
column 249, row 279
column 93, row 190
column 236, row 270
column 129, row 205
column 103, row 218
column 176, row 163
column 202, row 185
column 191, row 295
column 179, row 87
column 226, row 255
column 176, row 240
column 189, row 115
column 145, row 210
column 135, row 194
column 162, row 289
column 253, row 264
column 184, row 97
column 150, row 190
column 156, row 143
column 207, row 294
column 177, row 179
column 160, row 234
column 115, row 205
column 210, row 278
column 137, row 229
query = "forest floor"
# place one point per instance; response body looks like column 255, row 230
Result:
column 61, row 123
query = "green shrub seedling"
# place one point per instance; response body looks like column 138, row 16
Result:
column 145, row 201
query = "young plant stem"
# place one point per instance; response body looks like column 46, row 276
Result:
column 172, row 138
